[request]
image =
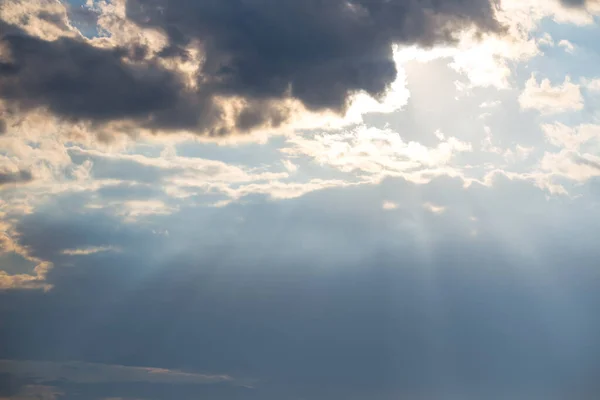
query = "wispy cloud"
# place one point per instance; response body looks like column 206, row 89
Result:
column 90, row 250
column 82, row 372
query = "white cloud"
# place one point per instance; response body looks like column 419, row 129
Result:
column 546, row 40
column 490, row 104
column 389, row 205
column 27, row 15
column 134, row 209
column 369, row 151
column 568, row 46
column 592, row 85
column 281, row 190
column 550, row 99
column 577, row 160
column 571, row 165
column 289, row 166
column 90, row 250
column 571, row 138
column 435, row 209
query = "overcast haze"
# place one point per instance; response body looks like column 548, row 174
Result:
column 299, row 199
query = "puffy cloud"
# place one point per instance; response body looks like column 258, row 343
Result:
column 550, row 99
column 290, row 166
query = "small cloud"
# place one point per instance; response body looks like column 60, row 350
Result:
column 550, row 99
column 290, row 166
column 571, row 138
column 389, row 205
column 490, row 104
column 89, row 250
column 593, row 85
column 434, row 208
column 568, row 46
column 524, row 152
column 546, row 40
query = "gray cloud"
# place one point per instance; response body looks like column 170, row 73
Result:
column 81, row 372
column 589, row 163
column 78, row 81
column 263, row 51
column 584, row 4
column 9, row 177
column 576, row 3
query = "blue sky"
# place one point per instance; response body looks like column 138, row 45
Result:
column 229, row 210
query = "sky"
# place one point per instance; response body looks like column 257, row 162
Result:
column 299, row 199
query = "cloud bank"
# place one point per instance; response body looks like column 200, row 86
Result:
column 256, row 61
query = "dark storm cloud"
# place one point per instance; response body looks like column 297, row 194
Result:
column 317, row 51
column 78, row 81
column 8, row 177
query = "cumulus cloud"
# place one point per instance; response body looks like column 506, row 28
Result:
column 549, row 99
column 255, row 57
